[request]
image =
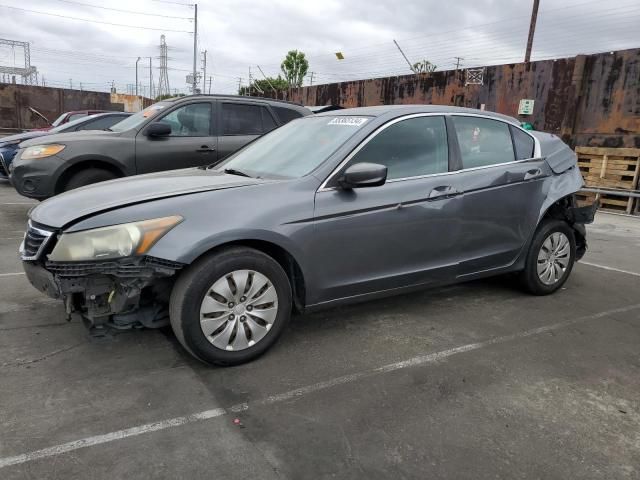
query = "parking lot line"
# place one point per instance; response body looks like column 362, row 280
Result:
column 612, row 269
column 296, row 393
column 13, row 274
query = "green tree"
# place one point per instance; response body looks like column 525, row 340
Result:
column 425, row 66
column 294, row 67
column 166, row 96
column 265, row 86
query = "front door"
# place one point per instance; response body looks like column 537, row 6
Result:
column 399, row 234
column 503, row 185
column 192, row 141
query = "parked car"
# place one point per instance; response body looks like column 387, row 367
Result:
column 99, row 121
column 330, row 209
column 67, row 117
column 177, row 133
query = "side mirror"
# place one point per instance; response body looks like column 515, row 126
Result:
column 158, row 129
column 363, row 175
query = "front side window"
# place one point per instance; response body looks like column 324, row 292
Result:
column 244, row 119
column 192, row 120
column 409, row 148
column 483, row 142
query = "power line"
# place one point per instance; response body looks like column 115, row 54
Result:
column 93, row 21
column 73, row 2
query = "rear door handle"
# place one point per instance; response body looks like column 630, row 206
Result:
column 535, row 173
column 206, row 148
column 443, row 191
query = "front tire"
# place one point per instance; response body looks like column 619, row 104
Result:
column 88, row 177
column 230, row 307
column 550, row 258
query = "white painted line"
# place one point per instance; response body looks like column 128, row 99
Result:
column 17, row 203
column 11, row 274
column 293, row 394
column 604, row 267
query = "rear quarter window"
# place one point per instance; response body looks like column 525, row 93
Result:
column 523, row 144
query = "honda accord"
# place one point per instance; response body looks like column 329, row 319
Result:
column 339, row 207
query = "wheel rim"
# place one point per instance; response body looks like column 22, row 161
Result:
column 238, row 310
column 554, row 258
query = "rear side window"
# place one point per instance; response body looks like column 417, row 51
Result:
column 243, row 119
column 523, row 143
column 483, row 142
column 286, row 114
column 409, row 148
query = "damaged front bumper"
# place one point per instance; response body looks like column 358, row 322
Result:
column 121, row 294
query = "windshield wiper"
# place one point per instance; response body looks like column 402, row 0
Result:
column 107, row 129
column 233, row 171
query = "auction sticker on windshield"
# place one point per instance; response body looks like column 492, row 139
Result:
column 348, row 121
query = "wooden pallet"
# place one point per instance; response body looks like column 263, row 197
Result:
column 615, row 168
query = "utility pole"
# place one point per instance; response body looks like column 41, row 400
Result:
column 150, row 79
column 405, row 57
column 210, row 79
column 249, row 89
column 239, row 84
column 71, row 84
column 311, row 79
column 137, row 75
column 194, row 85
column 458, row 62
column 532, row 30
column 204, row 71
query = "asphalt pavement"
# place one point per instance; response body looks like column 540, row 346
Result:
column 471, row 381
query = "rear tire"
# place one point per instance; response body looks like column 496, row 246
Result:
column 550, row 259
column 230, row 307
column 88, row 177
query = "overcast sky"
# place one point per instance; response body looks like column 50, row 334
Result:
column 239, row 34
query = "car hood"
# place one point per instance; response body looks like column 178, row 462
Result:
column 61, row 210
column 65, row 138
column 21, row 137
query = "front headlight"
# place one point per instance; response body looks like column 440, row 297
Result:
column 116, row 241
column 41, row 151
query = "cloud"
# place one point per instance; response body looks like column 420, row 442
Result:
column 239, row 34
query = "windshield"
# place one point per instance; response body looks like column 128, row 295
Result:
column 294, row 149
column 139, row 118
column 70, row 125
column 57, row 121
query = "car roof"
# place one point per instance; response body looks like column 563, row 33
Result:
column 398, row 110
column 283, row 103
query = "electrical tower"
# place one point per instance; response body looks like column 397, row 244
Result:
column 29, row 73
column 163, row 83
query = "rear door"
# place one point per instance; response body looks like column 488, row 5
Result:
column 240, row 123
column 502, row 181
column 192, row 141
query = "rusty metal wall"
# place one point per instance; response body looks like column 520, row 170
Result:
column 15, row 101
column 590, row 100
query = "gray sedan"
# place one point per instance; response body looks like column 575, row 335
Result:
column 331, row 209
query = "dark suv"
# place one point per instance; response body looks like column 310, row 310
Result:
column 176, row 133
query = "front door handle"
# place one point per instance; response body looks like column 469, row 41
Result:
column 444, row 191
column 531, row 174
column 206, row 148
